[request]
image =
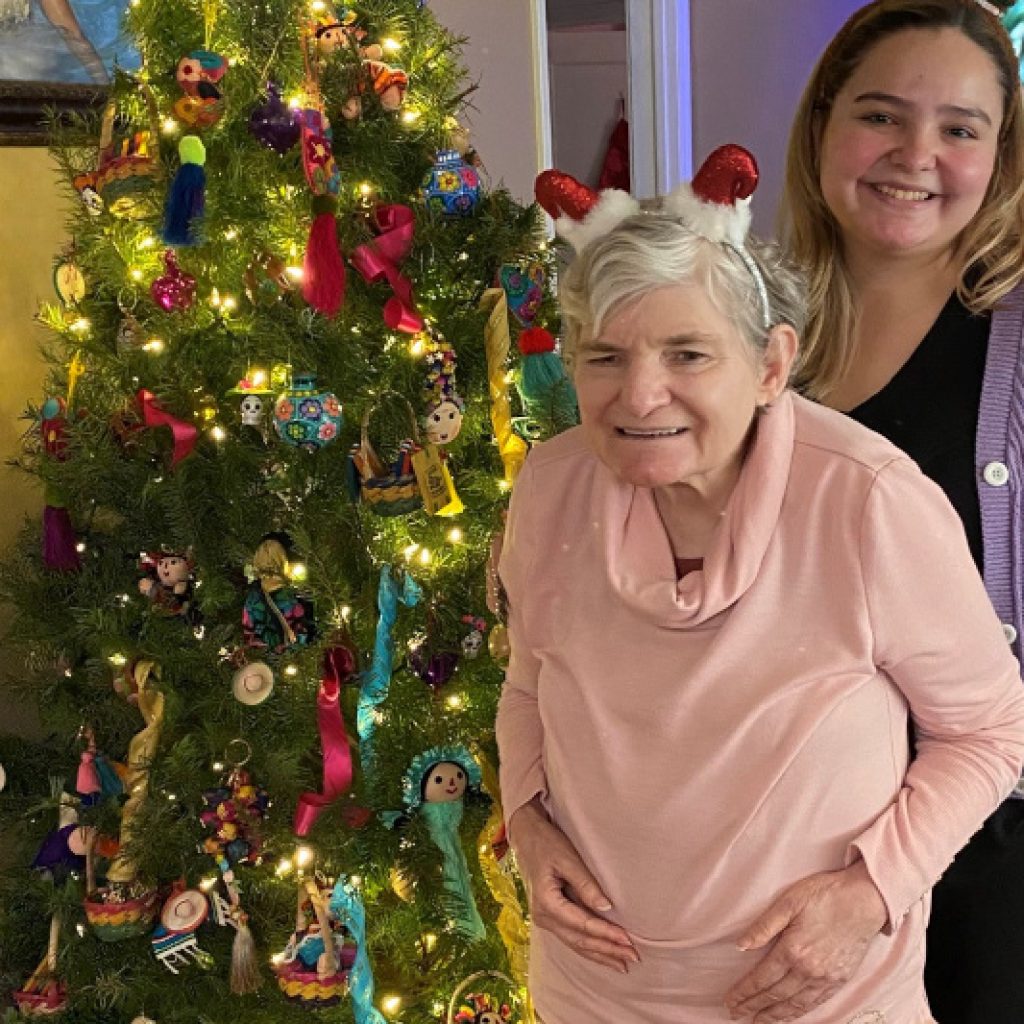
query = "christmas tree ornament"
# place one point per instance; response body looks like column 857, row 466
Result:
column 443, row 420
column 130, row 334
column 323, row 274
column 98, row 777
column 388, row 84
column 435, row 668
column 473, row 641
column 266, row 280
column 496, row 865
column 545, row 388
column 497, row 343
column 524, row 290
column 498, row 645
column 347, row 906
column 174, row 290
column 233, row 813
column 305, row 416
column 68, row 281
column 44, row 994
column 252, row 683
column 186, row 200
column 379, row 260
column 451, row 187
column 485, row 1006
column 254, row 407
column 387, row 490
column 313, row 969
column 174, row 942
column 128, row 171
column 155, row 415
column 60, row 543
column 199, row 75
column 376, row 681
column 168, row 582
column 274, row 124
column 339, row 668
column 85, row 186
column 337, row 29
column 276, row 617
column 434, row 786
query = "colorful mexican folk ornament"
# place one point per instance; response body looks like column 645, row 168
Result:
column 306, row 417
column 275, row 617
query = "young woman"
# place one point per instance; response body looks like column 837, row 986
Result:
column 905, row 203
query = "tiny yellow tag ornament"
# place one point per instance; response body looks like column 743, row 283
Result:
column 435, row 483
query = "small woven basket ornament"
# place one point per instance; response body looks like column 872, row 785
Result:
column 128, row 172
column 117, row 920
column 483, row 1005
column 388, row 490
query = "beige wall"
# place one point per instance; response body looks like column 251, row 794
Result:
column 500, row 54
column 31, row 233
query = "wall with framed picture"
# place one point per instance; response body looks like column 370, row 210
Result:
column 57, row 54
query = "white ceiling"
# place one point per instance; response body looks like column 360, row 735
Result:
column 574, row 13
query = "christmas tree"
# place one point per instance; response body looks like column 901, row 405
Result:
column 260, row 616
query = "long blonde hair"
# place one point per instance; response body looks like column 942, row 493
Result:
column 990, row 248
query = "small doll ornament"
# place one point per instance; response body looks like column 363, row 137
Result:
column 276, row 618
column 443, row 420
column 388, row 84
column 434, row 786
column 199, row 76
column 168, row 581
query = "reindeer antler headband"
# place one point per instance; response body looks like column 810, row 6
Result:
column 715, row 206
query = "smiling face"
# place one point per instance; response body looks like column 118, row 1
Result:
column 910, row 143
column 669, row 387
column 444, row 783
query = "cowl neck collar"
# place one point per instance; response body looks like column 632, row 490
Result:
column 638, row 555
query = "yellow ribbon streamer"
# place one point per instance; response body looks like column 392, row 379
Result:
column 141, row 751
column 75, row 370
column 497, row 344
column 512, row 924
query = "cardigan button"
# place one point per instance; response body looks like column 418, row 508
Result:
column 1009, row 632
column 996, row 474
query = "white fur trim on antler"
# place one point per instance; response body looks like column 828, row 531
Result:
column 717, row 222
column 611, row 209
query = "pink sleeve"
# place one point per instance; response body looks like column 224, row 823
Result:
column 519, row 729
column 938, row 638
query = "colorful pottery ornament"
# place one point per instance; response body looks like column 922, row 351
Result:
column 273, row 123
column 252, row 683
column 168, row 581
column 276, row 617
column 451, row 187
column 524, row 290
column 305, row 416
column 434, row 786
column 174, row 290
column 199, row 75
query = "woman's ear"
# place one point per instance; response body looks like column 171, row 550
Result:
column 777, row 362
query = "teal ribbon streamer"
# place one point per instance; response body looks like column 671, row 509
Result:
column 348, row 908
column 443, row 824
column 377, row 679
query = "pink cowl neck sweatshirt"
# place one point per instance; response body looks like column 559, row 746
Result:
column 706, row 742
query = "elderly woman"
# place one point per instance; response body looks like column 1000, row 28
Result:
column 724, row 603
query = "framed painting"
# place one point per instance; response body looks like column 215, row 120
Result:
column 60, row 55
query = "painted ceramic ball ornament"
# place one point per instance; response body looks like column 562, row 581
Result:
column 174, row 290
column 274, row 123
column 452, row 187
column 305, row 416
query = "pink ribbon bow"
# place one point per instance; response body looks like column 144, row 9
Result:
column 155, row 415
column 379, row 259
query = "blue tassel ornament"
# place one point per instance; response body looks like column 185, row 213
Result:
column 186, row 200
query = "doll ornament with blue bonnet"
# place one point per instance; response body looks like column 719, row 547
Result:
column 434, row 786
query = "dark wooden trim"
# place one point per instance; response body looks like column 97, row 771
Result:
column 24, row 107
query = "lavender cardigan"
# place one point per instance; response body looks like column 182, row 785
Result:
column 999, row 451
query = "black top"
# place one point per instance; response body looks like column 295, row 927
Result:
column 930, row 409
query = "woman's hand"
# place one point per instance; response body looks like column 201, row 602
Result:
column 564, row 895
column 824, row 925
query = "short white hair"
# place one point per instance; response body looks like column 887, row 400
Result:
column 651, row 251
